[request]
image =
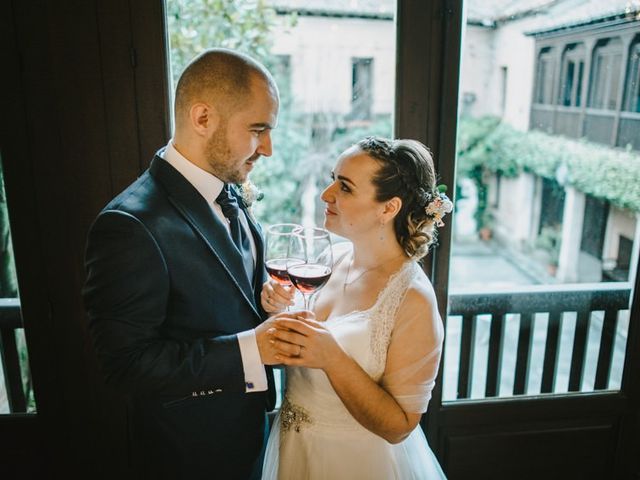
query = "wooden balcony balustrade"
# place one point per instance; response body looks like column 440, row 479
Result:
column 528, row 301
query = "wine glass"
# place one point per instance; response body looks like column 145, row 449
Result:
column 309, row 260
column 276, row 247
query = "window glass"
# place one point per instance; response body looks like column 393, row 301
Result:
column 544, row 77
column 362, row 93
column 606, row 73
column 572, row 71
column 16, row 389
column 633, row 79
column 334, row 63
column 546, row 234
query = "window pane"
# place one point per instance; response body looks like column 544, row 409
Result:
column 361, row 87
column 16, row 389
column 634, row 105
column 544, row 78
column 578, row 86
column 568, row 84
column 600, row 77
column 614, row 87
column 547, row 231
column 335, row 68
column 634, row 81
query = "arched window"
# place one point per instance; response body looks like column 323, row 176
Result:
column 605, row 74
column 632, row 90
column 571, row 77
column 544, row 77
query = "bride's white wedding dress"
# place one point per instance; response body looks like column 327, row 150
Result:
column 314, row 436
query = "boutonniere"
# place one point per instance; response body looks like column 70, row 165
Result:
column 249, row 193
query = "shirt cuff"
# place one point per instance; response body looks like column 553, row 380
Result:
column 255, row 376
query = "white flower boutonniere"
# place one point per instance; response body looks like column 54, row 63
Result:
column 249, row 193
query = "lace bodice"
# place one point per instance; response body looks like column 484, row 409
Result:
column 365, row 335
column 380, row 317
column 383, row 314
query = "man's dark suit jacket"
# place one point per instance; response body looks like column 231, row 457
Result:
column 166, row 293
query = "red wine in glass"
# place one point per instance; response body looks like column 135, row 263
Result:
column 309, row 277
column 309, row 260
column 277, row 270
column 277, row 240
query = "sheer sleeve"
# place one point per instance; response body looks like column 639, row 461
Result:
column 414, row 352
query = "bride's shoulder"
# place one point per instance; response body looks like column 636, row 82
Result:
column 420, row 298
column 418, row 280
column 420, row 294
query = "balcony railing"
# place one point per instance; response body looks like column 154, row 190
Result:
column 587, row 302
column 527, row 303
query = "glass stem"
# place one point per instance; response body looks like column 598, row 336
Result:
column 306, row 301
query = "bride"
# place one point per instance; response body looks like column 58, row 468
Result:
column 367, row 362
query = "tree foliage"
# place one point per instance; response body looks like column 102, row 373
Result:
column 8, row 282
column 607, row 173
column 196, row 25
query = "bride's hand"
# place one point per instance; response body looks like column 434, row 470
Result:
column 318, row 348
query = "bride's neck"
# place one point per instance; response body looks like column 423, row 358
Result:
column 370, row 253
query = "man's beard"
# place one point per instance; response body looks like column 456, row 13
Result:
column 218, row 156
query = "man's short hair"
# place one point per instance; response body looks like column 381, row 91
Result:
column 222, row 77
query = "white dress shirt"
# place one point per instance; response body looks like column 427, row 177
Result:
column 210, row 186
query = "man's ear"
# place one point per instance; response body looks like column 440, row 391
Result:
column 391, row 208
column 204, row 118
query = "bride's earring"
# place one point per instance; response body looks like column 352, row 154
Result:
column 381, row 233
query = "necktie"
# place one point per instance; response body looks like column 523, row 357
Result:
column 230, row 209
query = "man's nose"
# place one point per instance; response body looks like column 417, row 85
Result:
column 264, row 148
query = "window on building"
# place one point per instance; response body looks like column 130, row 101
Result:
column 625, row 249
column 571, row 77
column 605, row 74
column 594, row 226
column 632, row 102
column 361, row 88
column 504, row 73
column 553, row 199
column 544, row 76
column 281, row 69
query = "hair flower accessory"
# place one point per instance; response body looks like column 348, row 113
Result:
column 250, row 193
column 438, row 205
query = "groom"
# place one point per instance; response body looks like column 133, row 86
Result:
column 174, row 271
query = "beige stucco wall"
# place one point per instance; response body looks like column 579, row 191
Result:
column 321, row 50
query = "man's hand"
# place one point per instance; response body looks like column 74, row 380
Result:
column 275, row 298
column 267, row 342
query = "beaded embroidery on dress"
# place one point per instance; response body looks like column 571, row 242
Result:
column 315, row 437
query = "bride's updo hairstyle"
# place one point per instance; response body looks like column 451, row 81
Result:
column 407, row 172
